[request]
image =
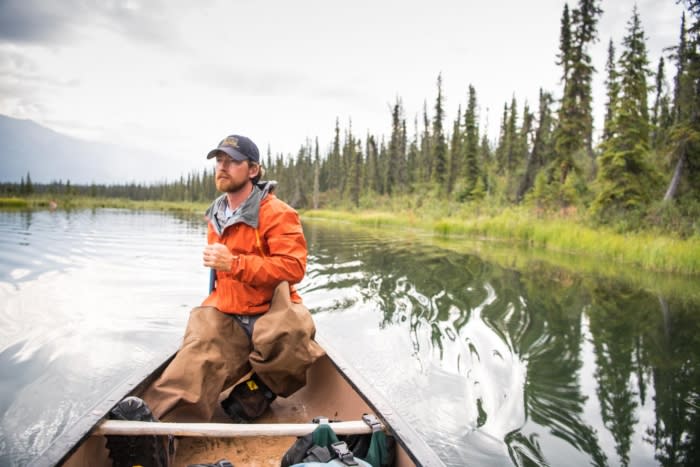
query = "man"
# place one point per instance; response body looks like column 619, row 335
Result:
column 240, row 334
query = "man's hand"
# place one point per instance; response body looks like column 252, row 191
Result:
column 219, row 257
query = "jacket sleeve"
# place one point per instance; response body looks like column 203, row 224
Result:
column 284, row 248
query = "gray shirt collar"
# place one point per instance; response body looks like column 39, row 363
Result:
column 246, row 213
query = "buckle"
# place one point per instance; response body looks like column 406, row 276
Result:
column 344, row 454
column 372, row 421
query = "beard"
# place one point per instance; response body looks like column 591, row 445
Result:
column 228, row 185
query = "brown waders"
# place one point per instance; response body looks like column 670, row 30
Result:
column 217, row 352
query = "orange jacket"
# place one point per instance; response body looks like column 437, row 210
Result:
column 270, row 246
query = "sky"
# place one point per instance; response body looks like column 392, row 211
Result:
column 175, row 77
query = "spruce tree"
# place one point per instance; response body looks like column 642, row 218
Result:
column 403, row 162
column 317, row 172
column 612, row 90
column 511, row 138
column 413, row 156
column 454, row 162
column 486, row 158
column 661, row 112
column 353, row 153
column 523, row 138
column 374, row 173
column 439, row 167
column 334, row 161
column 28, row 185
column 625, row 176
column 541, row 146
column 684, row 135
column 502, row 149
column 396, row 147
column 586, row 21
column 472, row 166
column 574, row 135
column 425, row 159
column 383, row 157
column 564, row 57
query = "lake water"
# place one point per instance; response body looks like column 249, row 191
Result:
column 498, row 362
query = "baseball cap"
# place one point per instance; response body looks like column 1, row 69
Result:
column 238, row 147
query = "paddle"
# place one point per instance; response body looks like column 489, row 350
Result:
column 212, row 280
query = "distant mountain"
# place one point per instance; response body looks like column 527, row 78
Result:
column 26, row 146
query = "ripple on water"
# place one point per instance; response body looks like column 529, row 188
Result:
column 85, row 298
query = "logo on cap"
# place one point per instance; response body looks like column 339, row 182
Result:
column 230, row 141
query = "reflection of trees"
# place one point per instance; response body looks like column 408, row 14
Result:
column 548, row 331
column 438, row 292
column 615, row 348
column 639, row 338
column 673, row 353
column 539, row 317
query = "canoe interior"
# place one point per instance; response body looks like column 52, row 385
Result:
column 327, row 393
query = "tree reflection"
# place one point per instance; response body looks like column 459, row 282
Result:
column 547, row 358
column 549, row 336
column 614, row 343
column 672, row 356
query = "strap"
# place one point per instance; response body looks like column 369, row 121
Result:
column 318, row 454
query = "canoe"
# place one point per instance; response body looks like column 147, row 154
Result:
column 334, row 390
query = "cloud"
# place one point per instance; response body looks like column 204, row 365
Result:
column 33, row 20
column 246, row 81
column 18, row 67
column 66, row 21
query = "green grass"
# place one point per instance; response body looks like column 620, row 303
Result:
column 518, row 227
column 365, row 218
column 13, row 203
column 67, row 202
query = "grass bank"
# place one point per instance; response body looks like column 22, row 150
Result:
column 66, row 202
column 520, row 227
column 13, row 203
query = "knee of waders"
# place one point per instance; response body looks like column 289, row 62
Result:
column 248, row 400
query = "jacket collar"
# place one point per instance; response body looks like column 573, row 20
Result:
column 247, row 213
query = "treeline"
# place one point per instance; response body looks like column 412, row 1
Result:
column 645, row 166
column 643, row 169
column 196, row 186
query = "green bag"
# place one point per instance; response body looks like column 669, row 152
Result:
column 324, row 447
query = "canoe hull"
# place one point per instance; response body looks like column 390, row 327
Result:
column 333, row 390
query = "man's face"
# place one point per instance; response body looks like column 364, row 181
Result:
column 231, row 175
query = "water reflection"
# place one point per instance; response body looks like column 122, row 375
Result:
column 503, row 367
column 491, row 364
column 86, row 299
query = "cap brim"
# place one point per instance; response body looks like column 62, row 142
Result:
column 232, row 153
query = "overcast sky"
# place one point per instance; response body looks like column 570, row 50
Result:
column 177, row 76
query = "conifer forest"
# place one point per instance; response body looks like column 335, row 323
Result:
column 642, row 165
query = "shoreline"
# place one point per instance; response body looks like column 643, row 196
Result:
column 518, row 228
column 645, row 250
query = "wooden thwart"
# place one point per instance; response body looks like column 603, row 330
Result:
column 224, row 430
